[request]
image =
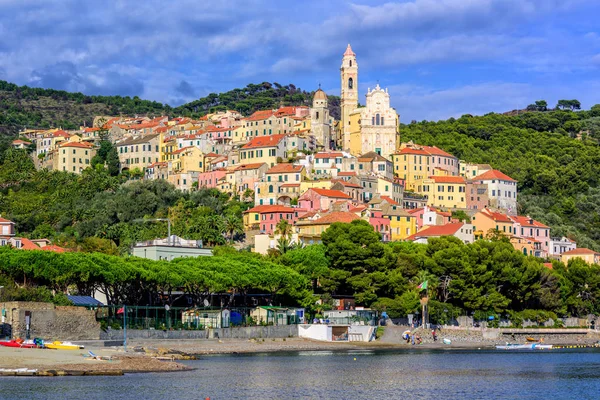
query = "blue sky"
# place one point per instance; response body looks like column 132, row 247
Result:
column 439, row 58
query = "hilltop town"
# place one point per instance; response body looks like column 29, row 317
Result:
column 300, row 165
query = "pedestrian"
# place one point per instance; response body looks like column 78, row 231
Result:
column 434, row 335
column 412, row 338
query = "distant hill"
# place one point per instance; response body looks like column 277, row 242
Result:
column 25, row 107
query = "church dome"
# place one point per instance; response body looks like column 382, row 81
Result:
column 320, row 95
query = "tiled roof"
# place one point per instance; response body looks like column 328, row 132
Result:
column 4, row 221
column 524, row 221
column 493, row 174
column 244, row 167
column 371, row 155
column 137, row 140
column 436, row 151
column 264, row 141
column 270, row 209
column 349, row 51
column 19, row 141
column 346, row 183
column 284, row 168
column 260, row 115
column 290, row 185
column 496, row 216
column 390, row 200
column 350, row 173
column 183, row 149
column 448, row 179
column 410, row 150
column 580, row 251
column 80, row 145
column 437, row 230
column 328, row 155
column 336, row 216
column 288, row 110
column 331, row 193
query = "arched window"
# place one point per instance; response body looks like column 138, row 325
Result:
column 377, row 119
column 382, row 121
column 372, row 120
column 270, row 188
column 350, row 62
column 350, row 83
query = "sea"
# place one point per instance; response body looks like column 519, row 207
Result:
column 400, row 374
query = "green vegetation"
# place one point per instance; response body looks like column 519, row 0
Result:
column 553, row 154
column 22, row 106
column 95, row 211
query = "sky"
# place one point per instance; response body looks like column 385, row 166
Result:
column 438, row 58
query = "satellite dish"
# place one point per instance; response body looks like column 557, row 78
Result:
column 206, row 303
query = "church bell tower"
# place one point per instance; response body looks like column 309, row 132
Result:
column 349, row 93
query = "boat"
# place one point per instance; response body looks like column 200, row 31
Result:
column 18, row 344
column 528, row 346
column 447, row 341
column 63, row 346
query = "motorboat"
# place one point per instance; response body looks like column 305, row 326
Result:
column 63, row 346
column 528, row 346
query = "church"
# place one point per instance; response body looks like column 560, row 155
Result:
column 374, row 127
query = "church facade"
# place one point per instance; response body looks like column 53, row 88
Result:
column 373, row 127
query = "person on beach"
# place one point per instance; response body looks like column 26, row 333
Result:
column 434, row 335
column 412, row 338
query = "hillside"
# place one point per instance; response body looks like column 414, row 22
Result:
column 22, row 106
column 554, row 155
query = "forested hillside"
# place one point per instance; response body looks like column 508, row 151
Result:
column 25, row 107
column 554, row 155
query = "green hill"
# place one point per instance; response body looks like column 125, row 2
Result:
column 553, row 154
column 25, row 107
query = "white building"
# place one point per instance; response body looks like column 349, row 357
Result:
column 557, row 246
column 502, row 190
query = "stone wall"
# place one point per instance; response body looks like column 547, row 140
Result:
column 249, row 332
column 51, row 322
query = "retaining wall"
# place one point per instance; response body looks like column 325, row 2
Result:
column 249, row 332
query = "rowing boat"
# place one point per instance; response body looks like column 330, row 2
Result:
column 528, row 346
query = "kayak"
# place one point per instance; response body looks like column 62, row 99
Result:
column 63, row 346
column 14, row 343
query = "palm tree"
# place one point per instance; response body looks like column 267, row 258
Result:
column 283, row 228
column 233, row 225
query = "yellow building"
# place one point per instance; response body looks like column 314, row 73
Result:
column 264, row 149
column 486, row 220
column 188, row 159
column 139, row 152
column 411, row 165
column 444, row 191
column 402, row 224
column 355, row 132
column 587, row 255
column 320, row 184
column 74, row 157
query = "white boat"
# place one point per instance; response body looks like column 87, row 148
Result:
column 528, row 346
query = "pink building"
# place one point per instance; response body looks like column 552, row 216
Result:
column 477, row 196
column 320, row 199
column 209, row 179
column 380, row 223
column 527, row 227
column 438, row 158
column 270, row 215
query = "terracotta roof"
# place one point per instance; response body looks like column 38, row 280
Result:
column 52, row 247
column 60, row 133
column 328, row 155
column 548, row 265
column 360, row 207
column 260, row 115
column 346, row 183
column 320, row 95
column 270, row 209
column 371, row 155
column 390, row 200
column 331, row 193
column 288, row 110
column 410, row 150
column 496, row 216
column 351, row 173
column 245, row 167
column 580, row 251
column 436, row 151
column 493, row 174
column 284, row 168
column 4, row 221
column 80, row 145
column 448, row 179
column 437, row 230
column 524, row 221
column 336, row 216
column 183, row 149
column 212, row 155
column 19, row 141
column 264, row 141
column 290, row 185
column 27, row 244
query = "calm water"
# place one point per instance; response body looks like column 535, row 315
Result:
column 557, row 374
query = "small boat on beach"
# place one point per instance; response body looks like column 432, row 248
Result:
column 63, row 346
column 528, row 346
column 18, row 344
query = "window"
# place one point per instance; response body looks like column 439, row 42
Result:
column 350, row 62
column 270, row 188
column 350, row 83
column 377, row 119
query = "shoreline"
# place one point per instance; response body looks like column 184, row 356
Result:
column 165, row 356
